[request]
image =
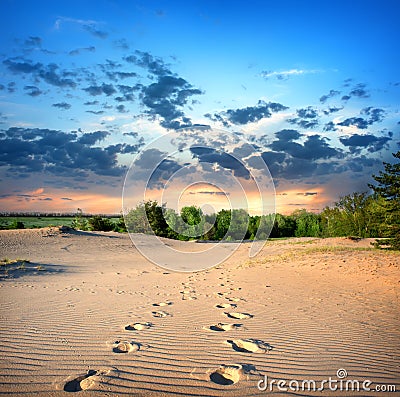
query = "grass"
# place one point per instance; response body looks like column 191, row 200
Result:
column 33, row 222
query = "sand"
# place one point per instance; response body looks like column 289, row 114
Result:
column 88, row 314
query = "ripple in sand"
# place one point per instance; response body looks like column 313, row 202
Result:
column 138, row 326
column 240, row 316
column 224, row 327
column 227, row 374
column 125, row 347
column 250, row 345
column 80, row 383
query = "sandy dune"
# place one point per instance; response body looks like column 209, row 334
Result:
column 90, row 315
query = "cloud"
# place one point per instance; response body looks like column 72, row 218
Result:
column 154, row 65
column 356, row 122
column 62, row 105
column 331, row 110
column 376, row 114
column 223, row 159
column 28, row 150
column 50, row 73
column 33, row 41
column 90, row 26
column 32, row 90
column 79, row 51
column 121, row 44
column 166, row 97
column 248, row 114
column 307, row 118
column 360, row 91
column 88, row 103
column 285, row 74
column 315, row 147
column 121, row 109
column 372, row 143
column 95, row 111
column 211, row 193
column 90, row 138
column 331, row 94
column 94, row 90
column 101, row 34
column 307, row 194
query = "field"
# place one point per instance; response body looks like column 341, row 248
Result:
column 33, row 222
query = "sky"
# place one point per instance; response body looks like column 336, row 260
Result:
column 310, row 87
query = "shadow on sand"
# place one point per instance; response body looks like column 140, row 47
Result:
column 11, row 270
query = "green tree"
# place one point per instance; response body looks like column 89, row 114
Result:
column 79, row 222
column 388, row 187
column 101, row 224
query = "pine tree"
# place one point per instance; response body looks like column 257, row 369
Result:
column 388, row 187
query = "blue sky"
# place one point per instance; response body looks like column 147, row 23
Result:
column 313, row 85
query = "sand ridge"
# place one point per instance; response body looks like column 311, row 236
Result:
column 301, row 309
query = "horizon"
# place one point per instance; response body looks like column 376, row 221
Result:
column 85, row 88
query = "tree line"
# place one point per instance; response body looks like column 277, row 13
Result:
column 358, row 214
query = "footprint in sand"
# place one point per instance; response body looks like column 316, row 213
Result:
column 125, row 347
column 160, row 313
column 250, row 345
column 138, row 326
column 81, row 382
column 236, row 299
column 161, row 304
column 239, row 316
column 227, row 374
column 225, row 305
column 223, row 327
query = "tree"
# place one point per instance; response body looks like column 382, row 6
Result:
column 388, row 187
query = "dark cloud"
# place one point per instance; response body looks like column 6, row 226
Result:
column 121, row 44
column 97, row 112
column 59, row 153
column 2, row 87
column 94, row 90
column 62, row 105
column 307, row 118
column 91, row 103
column 90, row 138
column 121, row 109
column 332, row 93
column 315, row 147
column 307, row 194
column 66, row 198
column 356, row 122
column 101, row 34
column 154, row 65
column 166, row 97
column 346, row 97
column 360, row 91
column 33, row 41
column 132, row 134
column 78, row 51
column 50, row 73
column 11, row 87
column 211, row 193
column 248, row 114
column 330, row 126
column 32, row 90
column 224, row 160
column 331, row 110
column 372, row 143
column 376, row 115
